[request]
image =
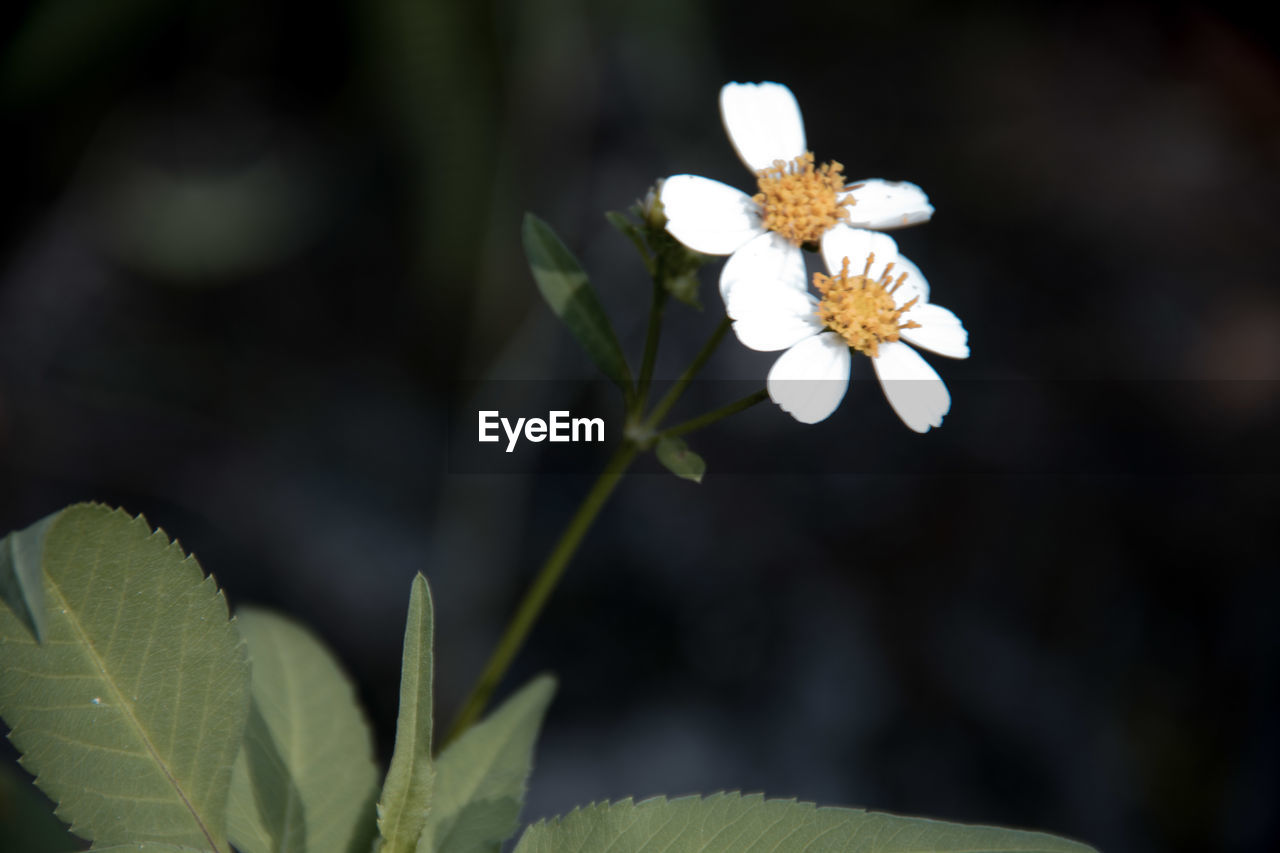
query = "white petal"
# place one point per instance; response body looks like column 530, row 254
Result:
column 809, row 380
column 763, row 122
column 914, row 389
column 768, row 260
column 914, row 286
column 940, row 330
column 888, row 204
column 765, row 292
column 708, row 216
column 857, row 245
column 767, row 332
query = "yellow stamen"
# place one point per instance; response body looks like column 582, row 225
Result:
column 861, row 309
column 801, row 201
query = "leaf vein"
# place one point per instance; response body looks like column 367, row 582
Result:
column 127, row 710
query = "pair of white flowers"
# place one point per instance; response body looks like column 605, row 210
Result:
column 873, row 299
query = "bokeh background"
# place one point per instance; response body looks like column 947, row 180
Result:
column 255, row 253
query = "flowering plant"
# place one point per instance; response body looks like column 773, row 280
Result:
column 158, row 722
column 764, row 284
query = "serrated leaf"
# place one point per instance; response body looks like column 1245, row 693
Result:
column 729, row 823
column 564, row 285
column 21, row 583
column 26, row 816
column 131, row 712
column 481, row 777
column 305, row 779
column 406, row 794
column 146, row 847
column 677, row 458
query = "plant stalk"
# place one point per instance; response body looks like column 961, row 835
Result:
column 694, row 424
column 544, row 583
column 664, row 405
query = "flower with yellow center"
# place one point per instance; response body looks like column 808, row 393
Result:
column 798, row 202
column 861, row 309
column 874, row 301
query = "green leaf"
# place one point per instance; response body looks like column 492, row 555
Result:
column 305, row 779
column 564, row 286
column 733, row 823
column 480, row 778
column 676, row 456
column 406, row 794
column 21, row 585
column 146, row 847
column 26, row 816
column 132, row 710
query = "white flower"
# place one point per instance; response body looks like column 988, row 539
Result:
column 873, row 301
column 798, row 203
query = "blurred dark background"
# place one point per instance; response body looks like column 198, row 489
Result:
column 252, row 251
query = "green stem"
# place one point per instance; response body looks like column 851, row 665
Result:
column 694, row 424
column 540, row 590
column 544, row 583
column 664, row 405
column 650, row 344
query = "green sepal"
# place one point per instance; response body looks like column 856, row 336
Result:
column 684, row 286
column 624, row 226
column 672, row 265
